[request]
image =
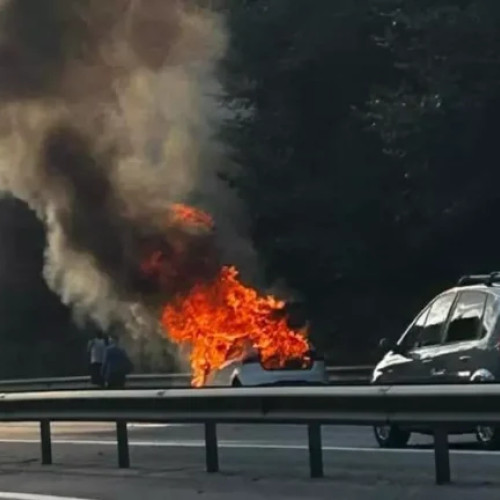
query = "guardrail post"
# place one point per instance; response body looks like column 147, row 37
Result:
column 46, row 442
column 211, row 450
column 122, row 442
column 315, row 450
column 441, row 455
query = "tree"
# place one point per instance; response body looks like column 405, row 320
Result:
column 311, row 175
column 439, row 123
column 367, row 139
column 36, row 332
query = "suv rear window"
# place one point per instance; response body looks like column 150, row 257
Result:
column 466, row 319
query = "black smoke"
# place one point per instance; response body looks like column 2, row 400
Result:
column 73, row 77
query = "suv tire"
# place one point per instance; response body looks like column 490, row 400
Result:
column 391, row 436
column 488, row 437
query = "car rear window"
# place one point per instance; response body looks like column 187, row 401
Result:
column 292, row 364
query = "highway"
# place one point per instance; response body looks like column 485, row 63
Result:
column 256, row 462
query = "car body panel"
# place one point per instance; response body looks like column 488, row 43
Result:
column 254, row 374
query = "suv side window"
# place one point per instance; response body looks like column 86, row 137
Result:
column 467, row 317
column 436, row 319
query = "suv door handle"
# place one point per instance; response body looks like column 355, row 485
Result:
column 427, row 360
column 464, row 358
column 437, row 373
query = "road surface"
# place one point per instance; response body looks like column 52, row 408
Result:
column 257, row 462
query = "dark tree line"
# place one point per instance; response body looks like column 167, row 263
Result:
column 37, row 336
column 368, row 139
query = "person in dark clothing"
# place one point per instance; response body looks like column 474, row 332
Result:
column 116, row 366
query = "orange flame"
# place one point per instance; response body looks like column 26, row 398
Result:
column 191, row 216
column 224, row 319
column 186, row 256
column 220, row 318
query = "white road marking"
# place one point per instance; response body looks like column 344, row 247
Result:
column 243, row 445
column 29, row 496
column 87, row 425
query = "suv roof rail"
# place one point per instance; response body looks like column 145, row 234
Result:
column 480, row 279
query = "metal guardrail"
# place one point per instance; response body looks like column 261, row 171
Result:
column 337, row 375
column 155, row 381
column 438, row 408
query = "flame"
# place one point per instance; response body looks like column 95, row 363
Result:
column 221, row 319
column 224, row 319
column 191, row 216
column 174, row 264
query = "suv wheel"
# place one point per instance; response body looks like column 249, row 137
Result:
column 391, row 436
column 488, row 437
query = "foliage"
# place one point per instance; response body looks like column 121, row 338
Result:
column 366, row 135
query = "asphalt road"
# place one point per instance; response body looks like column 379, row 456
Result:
column 256, row 462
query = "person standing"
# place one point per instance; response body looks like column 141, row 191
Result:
column 96, row 350
column 116, row 365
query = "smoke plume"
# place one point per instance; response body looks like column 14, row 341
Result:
column 108, row 114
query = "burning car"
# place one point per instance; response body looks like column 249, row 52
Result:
column 253, row 371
